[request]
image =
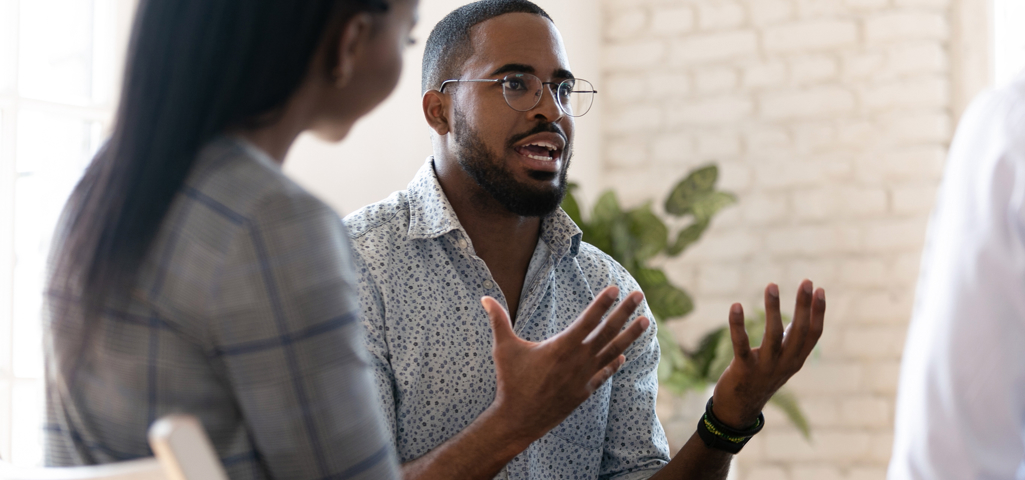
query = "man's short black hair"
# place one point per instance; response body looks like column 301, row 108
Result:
column 448, row 46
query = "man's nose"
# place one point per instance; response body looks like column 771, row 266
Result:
column 548, row 106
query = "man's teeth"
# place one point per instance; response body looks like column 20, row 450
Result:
column 552, row 149
column 547, row 145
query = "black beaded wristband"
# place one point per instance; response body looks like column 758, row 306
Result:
column 720, row 436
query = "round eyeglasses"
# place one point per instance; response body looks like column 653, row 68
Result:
column 522, row 91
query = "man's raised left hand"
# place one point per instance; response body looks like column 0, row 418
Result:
column 755, row 374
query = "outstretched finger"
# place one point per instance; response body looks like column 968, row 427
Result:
column 773, row 338
column 818, row 317
column 501, row 325
column 738, row 333
column 797, row 332
column 623, row 341
column 587, row 321
column 605, row 373
column 608, row 329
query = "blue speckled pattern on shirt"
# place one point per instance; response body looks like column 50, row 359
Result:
column 420, row 288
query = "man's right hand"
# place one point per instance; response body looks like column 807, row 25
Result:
column 540, row 384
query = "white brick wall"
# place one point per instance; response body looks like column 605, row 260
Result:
column 830, row 120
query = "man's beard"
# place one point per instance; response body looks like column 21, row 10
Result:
column 490, row 173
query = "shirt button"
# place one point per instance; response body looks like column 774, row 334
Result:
column 461, row 243
column 488, row 284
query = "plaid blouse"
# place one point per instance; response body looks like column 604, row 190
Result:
column 244, row 314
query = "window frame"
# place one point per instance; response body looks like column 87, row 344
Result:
column 112, row 21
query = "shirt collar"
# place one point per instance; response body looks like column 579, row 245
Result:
column 431, row 215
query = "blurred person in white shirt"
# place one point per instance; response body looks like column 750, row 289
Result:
column 961, row 400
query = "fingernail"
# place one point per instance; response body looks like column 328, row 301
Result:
column 485, row 304
column 736, row 309
column 612, row 293
column 821, row 295
column 774, row 290
column 806, row 286
column 644, row 322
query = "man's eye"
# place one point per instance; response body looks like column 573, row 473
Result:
column 515, row 84
column 565, row 90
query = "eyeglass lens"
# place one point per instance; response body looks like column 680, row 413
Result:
column 523, row 92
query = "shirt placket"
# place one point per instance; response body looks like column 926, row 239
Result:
column 485, row 284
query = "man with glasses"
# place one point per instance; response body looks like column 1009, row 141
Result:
column 564, row 388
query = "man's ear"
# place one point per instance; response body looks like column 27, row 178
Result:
column 352, row 44
column 435, row 105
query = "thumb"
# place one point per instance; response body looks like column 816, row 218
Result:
column 501, row 325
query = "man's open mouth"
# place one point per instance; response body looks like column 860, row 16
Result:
column 541, row 150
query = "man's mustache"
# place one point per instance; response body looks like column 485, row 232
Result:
column 543, row 127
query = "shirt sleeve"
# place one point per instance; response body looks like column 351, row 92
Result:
column 961, row 399
column 286, row 327
column 635, row 443
column 375, row 331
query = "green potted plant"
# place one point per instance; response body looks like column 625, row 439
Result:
column 634, row 237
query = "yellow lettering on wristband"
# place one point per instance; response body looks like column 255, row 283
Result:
column 716, row 432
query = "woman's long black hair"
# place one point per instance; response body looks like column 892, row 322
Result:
column 195, row 68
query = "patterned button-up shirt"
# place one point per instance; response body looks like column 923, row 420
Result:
column 420, row 286
column 244, row 314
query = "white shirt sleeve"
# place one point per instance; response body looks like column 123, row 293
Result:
column 961, row 399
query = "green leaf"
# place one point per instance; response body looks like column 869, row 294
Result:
column 681, row 381
column 787, row 402
column 601, row 238
column 723, row 356
column 623, row 244
column 672, row 302
column 706, row 206
column 650, row 234
column 698, row 183
column 673, row 357
column 665, row 300
column 705, row 356
column 571, row 207
column 607, row 209
column 650, row 278
column 599, row 232
column 686, row 238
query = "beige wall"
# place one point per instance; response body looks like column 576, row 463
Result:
column 830, row 119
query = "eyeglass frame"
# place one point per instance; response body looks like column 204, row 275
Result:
column 504, row 79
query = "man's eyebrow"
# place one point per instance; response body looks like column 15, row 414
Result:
column 522, row 68
column 513, row 67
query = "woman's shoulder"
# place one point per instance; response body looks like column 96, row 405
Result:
column 234, row 213
column 245, row 187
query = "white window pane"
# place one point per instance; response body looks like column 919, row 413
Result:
column 105, row 63
column 55, row 50
column 6, row 236
column 27, row 424
column 31, row 245
column 8, row 37
column 51, row 154
column 1008, row 39
column 5, row 419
